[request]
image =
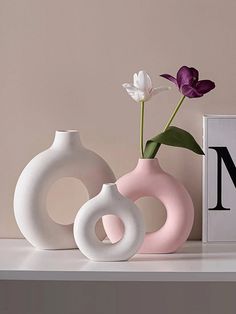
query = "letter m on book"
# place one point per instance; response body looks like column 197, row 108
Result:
column 223, row 156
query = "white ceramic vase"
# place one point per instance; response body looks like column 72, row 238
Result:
column 67, row 157
column 109, row 202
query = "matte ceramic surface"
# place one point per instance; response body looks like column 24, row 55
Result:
column 148, row 179
column 67, row 157
column 109, row 202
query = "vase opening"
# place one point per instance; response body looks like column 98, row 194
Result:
column 67, row 131
column 67, row 139
column 109, row 187
column 148, row 164
column 109, row 184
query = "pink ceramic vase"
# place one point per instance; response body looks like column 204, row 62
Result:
column 148, row 179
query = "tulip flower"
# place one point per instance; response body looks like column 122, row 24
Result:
column 141, row 91
column 187, row 80
column 189, row 84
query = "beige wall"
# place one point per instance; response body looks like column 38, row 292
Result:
column 62, row 64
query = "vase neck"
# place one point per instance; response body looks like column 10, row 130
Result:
column 67, row 139
column 148, row 165
column 109, row 188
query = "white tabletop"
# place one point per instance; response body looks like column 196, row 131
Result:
column 194, row 262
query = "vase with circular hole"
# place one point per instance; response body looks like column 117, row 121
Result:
column 67, row 157
column 148, row 179
column 109, row 202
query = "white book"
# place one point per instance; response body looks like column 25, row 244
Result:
column 219, row 178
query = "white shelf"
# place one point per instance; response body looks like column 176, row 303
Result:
column 194, row 262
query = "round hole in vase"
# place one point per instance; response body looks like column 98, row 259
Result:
column 154, row 212
column 148, row 179
column 67, row 157
column 101, row 234
column 105, row 239
column 154, row 215
column 109, row 202
column 64, row 198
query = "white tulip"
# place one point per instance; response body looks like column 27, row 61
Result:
column 141, row 90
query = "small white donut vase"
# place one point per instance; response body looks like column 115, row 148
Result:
column 109, row 202
column 67, row 157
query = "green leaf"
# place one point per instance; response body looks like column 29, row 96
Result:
column 173, row 136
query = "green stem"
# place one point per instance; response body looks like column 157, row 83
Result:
column 141, row 129
column 174, row 112
column 170, row 121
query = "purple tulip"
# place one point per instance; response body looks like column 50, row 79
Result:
column 188, row 83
